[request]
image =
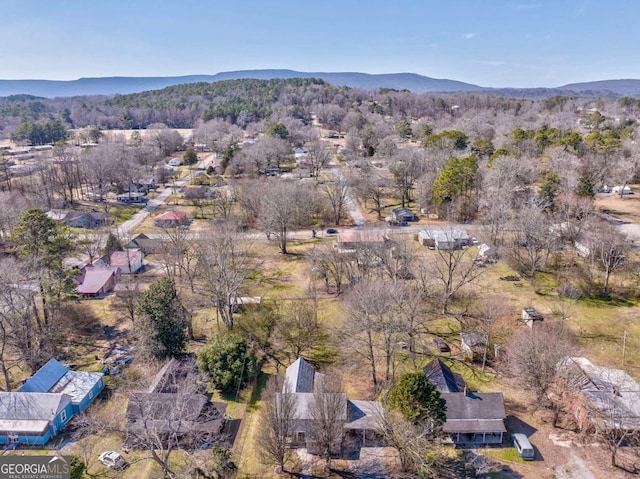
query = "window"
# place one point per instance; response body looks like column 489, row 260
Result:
column 90, row 394
column 63, row 415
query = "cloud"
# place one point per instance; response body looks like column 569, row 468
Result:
column 468, row 36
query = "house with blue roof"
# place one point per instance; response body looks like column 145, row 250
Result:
column 45, row 403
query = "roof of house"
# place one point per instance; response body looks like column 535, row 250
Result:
column 299, row 377
column 444, row 235
column 143, row 241
column 363, row 415
column 95, row 278
column 402, row 211
column 171, row 215
column 474, row 412
column 30, row 412
column 443, row 378
column 54, row 377
column 611, row 392
column 362, row 236
column 305, row 401
column 167, row 411
column 125, row 258
column 163, row 405
column 45, row 378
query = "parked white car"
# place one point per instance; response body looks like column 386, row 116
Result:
column 113, row 460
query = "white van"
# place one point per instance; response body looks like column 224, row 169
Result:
column 523, row 446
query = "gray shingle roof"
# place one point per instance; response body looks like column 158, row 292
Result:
column 474, row 412
column 443, row 378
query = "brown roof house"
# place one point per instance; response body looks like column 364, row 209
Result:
column 350, row 240
column 472, row 418
column 97, row 281
column 171, row 219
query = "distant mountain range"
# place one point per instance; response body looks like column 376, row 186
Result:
column 399, row 81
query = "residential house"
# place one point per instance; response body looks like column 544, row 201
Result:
column 193, row 419
column 145, row 244
column 349, row 240
column 32, row 418
column 54, row 377
column 45, row 404
column 444, row 239
column 530, row 316
column 166, row 410
column 360, row 418
column 471, row 418
column 601, row 398
column 79, row 219
column 129, row 261
column 97, row 281
column 171, row 219
column 403, row 215
column 177, row 161
column 132, row 197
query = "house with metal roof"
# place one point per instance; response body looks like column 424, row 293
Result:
column 601, row 398
column 97, row 281
column 444, row 238
column 32, row 418
column 45, row 403
column 81, row 386
column 360, row 418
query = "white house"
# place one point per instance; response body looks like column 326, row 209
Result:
column 177, row 161
column 129, row 261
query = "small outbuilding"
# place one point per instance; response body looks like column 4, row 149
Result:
column 403, row 215
column 530, row 316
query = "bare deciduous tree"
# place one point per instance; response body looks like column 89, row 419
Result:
column 328, row 410
column 225, row 264
column 318, row 157
column 299, row 327
column 532, row 240
column 284, row 205
column 533, row 356
column 337, row 192
column 276, row 422
column 160, row 424
column 453, row 267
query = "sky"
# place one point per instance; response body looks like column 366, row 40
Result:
column 493, row 43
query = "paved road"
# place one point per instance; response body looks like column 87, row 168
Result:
column 128, row 226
